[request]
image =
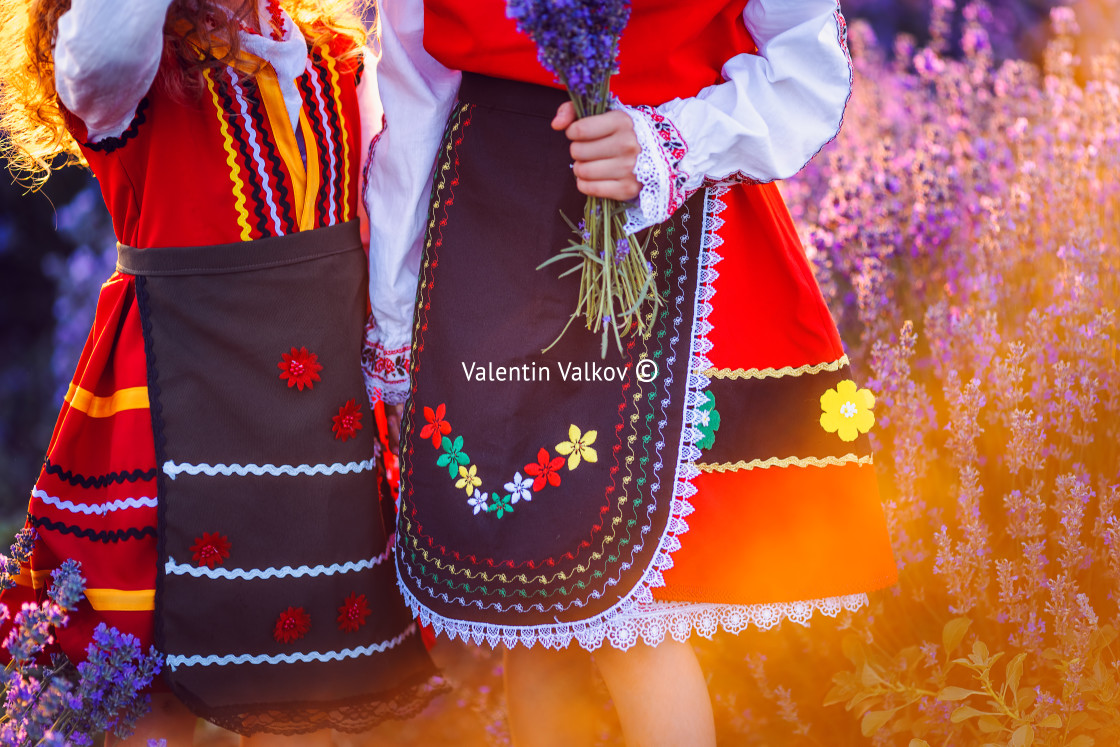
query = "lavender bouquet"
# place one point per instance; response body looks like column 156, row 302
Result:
column 577, row 41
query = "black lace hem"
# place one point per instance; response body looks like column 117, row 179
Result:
column 351, row 715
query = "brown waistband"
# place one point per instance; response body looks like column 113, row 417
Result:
column 241, row 256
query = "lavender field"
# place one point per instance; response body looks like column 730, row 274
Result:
column 965, row 227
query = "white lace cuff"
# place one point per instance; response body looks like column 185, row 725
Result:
column 385, row 367
column 657, row 168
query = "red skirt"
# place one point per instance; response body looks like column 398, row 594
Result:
column 96, row 496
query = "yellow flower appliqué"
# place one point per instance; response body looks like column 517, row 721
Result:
column 847, row 411
column 578, row 446
column 468, row 479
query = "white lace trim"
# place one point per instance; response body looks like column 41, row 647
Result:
column 653, row 171
column 638, row 614
column 385, row 380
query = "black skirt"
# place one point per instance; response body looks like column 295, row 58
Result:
column 538, row 489
column 276, row 603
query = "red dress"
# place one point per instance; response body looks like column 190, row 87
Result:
column 213, row 466
column 766, row 509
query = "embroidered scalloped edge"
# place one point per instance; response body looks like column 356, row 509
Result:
column 638, row 614
column 91, row 508
column 185, row 569
column 657, row 167
column 174, row 469
column 385, row 381
column 178, row 660
column 829, row 461
column 775, row 373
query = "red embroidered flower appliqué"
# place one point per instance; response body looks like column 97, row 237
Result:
column 353, row 613
column 437, row 427
column 210, row 549
column 292, row 625
column 300, row 368
column 545, row 470
column 348, row 421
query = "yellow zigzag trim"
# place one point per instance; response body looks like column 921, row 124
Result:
column 774, row 373
column 344, row 162
column 231, row 161
column 788, row 462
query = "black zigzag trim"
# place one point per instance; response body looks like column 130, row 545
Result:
column 116, row 535
column 317, row 127
column 241, row 138
column 100, row 481
column 288, row 212
column 110, row 144
column 358, row 70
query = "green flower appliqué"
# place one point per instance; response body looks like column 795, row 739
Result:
column 539, row 475
column 707, row 422
column 501, row 505
column 453, row 456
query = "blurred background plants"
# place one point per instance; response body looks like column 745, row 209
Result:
column 965, row 227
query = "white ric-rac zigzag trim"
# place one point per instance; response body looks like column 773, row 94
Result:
column 178, row 660
column 183, row 569
column 173, row 470
column 94, row 508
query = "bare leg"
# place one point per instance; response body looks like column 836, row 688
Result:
column 660, row 695
column 548, row 696
column 321, row 738
column 169, row 719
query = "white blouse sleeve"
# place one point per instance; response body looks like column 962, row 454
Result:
column 774, row 111
column 106, row 56
column 417, row 93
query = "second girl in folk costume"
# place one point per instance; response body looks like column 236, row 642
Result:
column 539, row 509
column 213, row 466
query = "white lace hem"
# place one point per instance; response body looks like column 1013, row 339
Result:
column 649, row 622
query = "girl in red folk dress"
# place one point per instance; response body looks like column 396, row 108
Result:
column 213, row 465
column 539, row 509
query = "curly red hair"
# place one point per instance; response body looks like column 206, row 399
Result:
column 35, row 138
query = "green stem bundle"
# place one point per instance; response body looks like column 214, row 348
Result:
column 617, row 293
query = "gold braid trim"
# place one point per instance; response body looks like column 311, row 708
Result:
column 788, row 462
column 774, row 373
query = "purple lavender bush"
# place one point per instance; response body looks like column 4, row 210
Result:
column 966, row 229
column 56, row 703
